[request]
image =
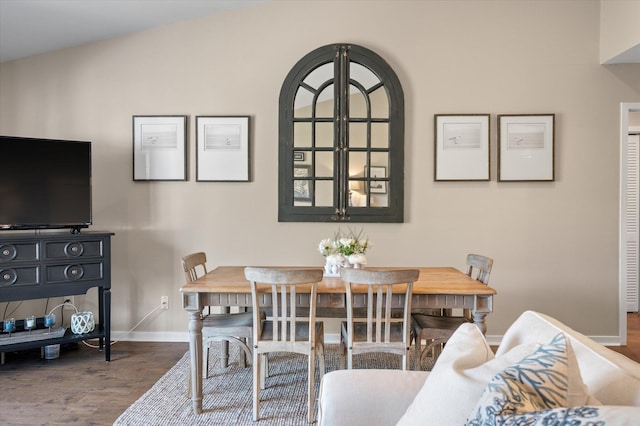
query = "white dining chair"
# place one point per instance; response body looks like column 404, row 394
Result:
column 225, row 327
column 381, row 332
column 285, row 331
column 437, row 329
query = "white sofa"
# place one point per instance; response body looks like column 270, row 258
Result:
column 454, row 389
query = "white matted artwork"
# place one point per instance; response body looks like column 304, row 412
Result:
column 461, row 147
column 526, row 147
column 222, row 152
column 159, row 147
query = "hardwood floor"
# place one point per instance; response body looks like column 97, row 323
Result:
column 80, row 388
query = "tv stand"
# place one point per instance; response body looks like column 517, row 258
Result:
column 57, row 265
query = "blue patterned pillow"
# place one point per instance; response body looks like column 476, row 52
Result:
column 576, row 416
column 548, row 378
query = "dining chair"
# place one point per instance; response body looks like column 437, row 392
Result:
column 380, row 332
column 225, row 327
column 285, row 330
column 437, row 329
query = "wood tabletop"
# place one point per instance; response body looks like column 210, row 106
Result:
column 432, row 280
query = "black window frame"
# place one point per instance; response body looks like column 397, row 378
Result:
column 341, row 54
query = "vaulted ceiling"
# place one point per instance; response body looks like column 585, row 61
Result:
column 30, row 27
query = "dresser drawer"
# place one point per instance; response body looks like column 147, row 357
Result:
column 19, row 252
column 73, row 249
column 17, row 276
column 71, row 272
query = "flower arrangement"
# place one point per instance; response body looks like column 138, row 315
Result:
column 343, row 250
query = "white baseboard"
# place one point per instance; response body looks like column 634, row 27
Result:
column 179, row 336
column 330, row 338
column 494, row 340
column 150, row 336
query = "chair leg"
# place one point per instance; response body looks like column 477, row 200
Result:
column 243, row 355
column 263, row 373
column 256, row 385
column 310, row 386
column 205, row 360
column 432, row 347
column 224, row 354
column 343, row 354
column 418, row 351
column 321, row 362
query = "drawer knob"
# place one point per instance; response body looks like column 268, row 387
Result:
column 8, row 252
column 74, row 249
column 74, row 272
column 8, row 276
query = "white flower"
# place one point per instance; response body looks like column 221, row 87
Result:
column 325, row 247
column 353, row 243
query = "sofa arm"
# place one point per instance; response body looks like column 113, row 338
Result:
column 367, row 397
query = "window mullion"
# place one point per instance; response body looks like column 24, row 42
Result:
column 343, row 118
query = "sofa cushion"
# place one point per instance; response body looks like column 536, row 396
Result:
column 459, row 377
column 548, row 378
column 365, row 397
column 611, row 377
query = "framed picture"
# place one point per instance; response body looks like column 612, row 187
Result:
column 222, row 148
column 376, row 172
column 526, row 147
column 159, row 147
column 461, row 147
column 298, row 155
column 302, row 189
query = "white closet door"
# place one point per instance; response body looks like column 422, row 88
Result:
column 630, row 224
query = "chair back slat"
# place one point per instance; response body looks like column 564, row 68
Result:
column 276, row 309
column 387, row 314
column 379, row 317
column 292, row 309
column 370, row 299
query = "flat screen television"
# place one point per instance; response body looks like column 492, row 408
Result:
column 44, row 183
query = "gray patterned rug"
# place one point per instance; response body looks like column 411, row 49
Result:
column 227, row 392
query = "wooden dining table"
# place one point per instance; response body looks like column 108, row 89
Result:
column 226, row 286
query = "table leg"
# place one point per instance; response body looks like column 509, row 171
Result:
column 195, row 354
column 224, row 351
column 478, row 320
column 483, row 305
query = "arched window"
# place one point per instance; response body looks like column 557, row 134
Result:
column 341, row 147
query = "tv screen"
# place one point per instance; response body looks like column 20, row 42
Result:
column 44, row 183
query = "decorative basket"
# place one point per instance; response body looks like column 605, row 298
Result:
column 82, row 323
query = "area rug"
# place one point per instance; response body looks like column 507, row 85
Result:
column 227, row 392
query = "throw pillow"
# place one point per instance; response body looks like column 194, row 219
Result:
column 548, row 378
column 604, row 415
column 458, row 379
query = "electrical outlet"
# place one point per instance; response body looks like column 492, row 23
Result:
column 69, row 300
column 164, row 302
